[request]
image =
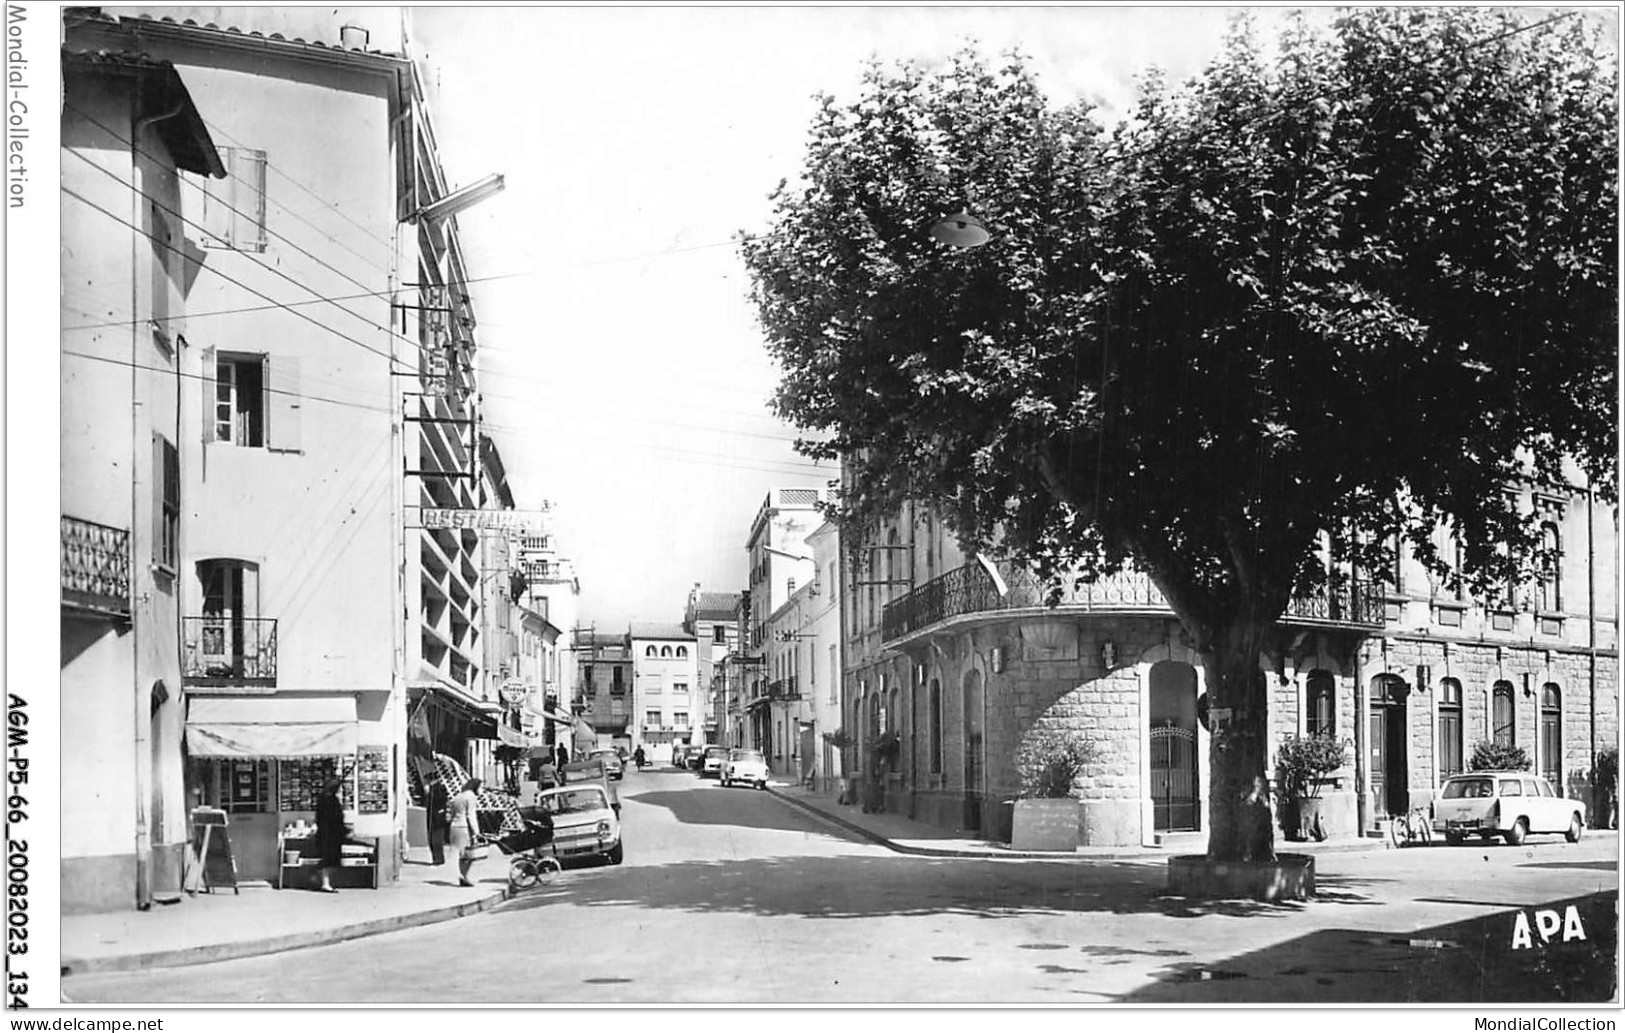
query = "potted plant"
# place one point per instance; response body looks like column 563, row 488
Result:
column 1302, row 764
column 888, row 746
column 1045, row 814
column 1494, row 756
column 1605, row 781
column 841, row 740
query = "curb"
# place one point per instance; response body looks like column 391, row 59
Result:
column 992, row 853
column 276, row 944
column 997, row 854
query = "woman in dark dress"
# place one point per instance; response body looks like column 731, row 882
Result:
column 330, row 832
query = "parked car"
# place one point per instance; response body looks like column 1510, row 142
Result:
column 746, row 766
column 1506, row 804
column 695, row 759
column 680, row 755
column 712, row 761
column 585, row 823
column 613, row 762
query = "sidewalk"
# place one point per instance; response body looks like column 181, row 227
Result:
column 907, row 836
column 260, row 919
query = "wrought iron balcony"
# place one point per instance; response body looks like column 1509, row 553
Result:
column 970, row 590
column 229, row 650
column 785, row 688
column 95, row 568
column 1358, row 604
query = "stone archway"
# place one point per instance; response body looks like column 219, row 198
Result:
column 1175, row 768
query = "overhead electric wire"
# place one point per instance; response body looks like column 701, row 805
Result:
column 162, row 243
column 388, row 246
column 265, row 195
column 168, row 371
column 202, row 229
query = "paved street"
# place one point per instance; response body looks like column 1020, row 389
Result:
column 731, row 895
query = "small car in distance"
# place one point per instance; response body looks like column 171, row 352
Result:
column 1509, row 805
column 612, row 762
column 680, row 755
column 711, row 763
column 585, row 824
column 745, row 766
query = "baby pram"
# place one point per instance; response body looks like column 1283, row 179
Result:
column 531, row 853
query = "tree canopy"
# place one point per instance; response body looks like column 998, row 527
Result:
column 1348, row 288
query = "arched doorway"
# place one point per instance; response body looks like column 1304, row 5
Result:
column 975, row 749
column 1390, row 759
column 1175, row 779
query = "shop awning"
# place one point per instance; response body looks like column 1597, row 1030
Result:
column 511, row 736
column 264, row 726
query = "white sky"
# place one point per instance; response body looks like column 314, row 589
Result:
column 625, row 376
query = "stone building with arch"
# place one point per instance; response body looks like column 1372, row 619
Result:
column 962, row 659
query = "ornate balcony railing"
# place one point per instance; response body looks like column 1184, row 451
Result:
column 1357, row 603
column 229, row 650
column 785, row 688
column 95, row 568
column 970, row 589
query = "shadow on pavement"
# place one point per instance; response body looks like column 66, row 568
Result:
column 864, row 887
column 713, row 808
column 1471, row 961
column 1601, row 865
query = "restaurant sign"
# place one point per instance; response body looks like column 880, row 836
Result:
column 435, row 519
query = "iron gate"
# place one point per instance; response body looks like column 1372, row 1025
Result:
column 1173, row 778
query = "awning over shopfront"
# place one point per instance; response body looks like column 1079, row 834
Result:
column 267, row 726
column 511, row 736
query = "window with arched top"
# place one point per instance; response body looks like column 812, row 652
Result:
column 1450, row 734
column 1551, row 734
column 1503, row 716
column 665, row 652
column 650, row 651
column 682, row 652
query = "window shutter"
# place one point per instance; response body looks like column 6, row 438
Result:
column 155, row 487
column 209, row 381
column 284, row 405
column 248, row 197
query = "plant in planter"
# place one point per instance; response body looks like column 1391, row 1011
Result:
column 1302, row 764
column 842, row 740
column 887, row 747
column 1494, row 756
column 1045, row 815
column 1605, row 780
column 1050, row 761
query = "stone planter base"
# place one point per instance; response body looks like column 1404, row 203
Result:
column 1042, row 824
column 1291, row 877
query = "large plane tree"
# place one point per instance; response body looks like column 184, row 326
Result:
column 1345, row 289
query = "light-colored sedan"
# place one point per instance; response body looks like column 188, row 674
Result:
column 611, row 760
column 1506, row 804
column 584, row 822
column 745, row 766
column 711, row 763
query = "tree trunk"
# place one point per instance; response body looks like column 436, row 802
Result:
column 1239, row 825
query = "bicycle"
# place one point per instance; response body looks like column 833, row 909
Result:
column 1410, row 828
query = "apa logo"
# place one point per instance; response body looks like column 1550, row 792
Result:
column 1547, row 923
